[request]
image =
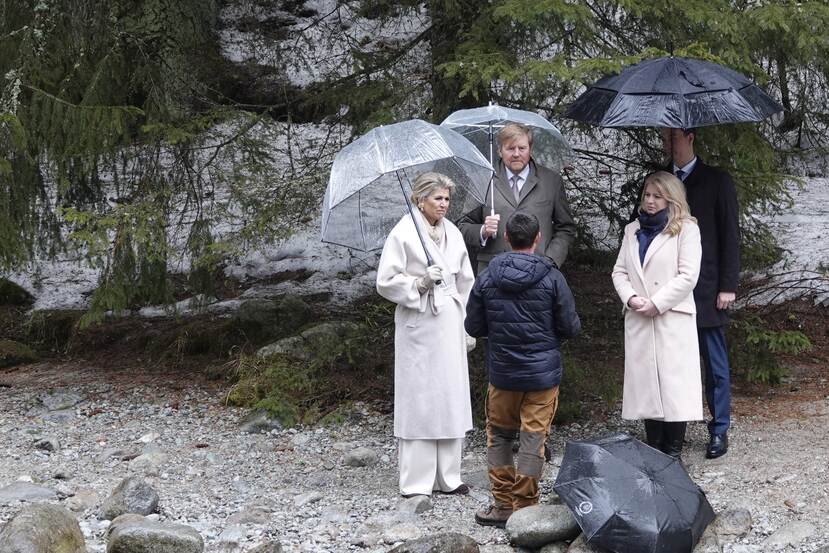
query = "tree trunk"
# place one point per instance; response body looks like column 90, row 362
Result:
column 451, row 21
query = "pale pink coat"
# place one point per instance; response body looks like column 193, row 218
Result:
column 662, row 365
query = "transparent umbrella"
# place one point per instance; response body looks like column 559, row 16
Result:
column 480, row 125
column 371, row 179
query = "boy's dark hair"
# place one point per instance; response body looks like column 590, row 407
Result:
column 522, row 228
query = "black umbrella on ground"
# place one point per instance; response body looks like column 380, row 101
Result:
column 680, row 93
column 628, row 497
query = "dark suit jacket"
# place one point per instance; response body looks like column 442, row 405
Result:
column 543, row 196
column 713, row 201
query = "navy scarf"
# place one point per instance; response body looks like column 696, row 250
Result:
column 650, row 226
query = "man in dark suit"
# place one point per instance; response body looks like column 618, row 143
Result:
column 520, row 183
column 713, row 201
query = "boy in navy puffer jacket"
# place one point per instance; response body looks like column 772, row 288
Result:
column 523, row 305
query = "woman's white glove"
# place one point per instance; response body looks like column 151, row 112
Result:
column 433, row 276
column 470, row 343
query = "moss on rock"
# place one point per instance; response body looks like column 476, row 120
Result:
column 14, row 353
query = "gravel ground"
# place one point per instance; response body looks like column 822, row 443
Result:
column 293, row 486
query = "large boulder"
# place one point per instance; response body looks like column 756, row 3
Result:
column 318, row 342
column 538, row 525
column 25, row 491
column 136, row 534
column 132, row 495
column 261, row 319
column 42, row 529
column 14, row 294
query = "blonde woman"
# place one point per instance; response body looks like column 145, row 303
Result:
column 432, row 410
column 655, row 274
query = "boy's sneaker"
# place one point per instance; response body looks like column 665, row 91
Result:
column 493, row 516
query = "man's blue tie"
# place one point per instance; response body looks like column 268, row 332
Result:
column 680, row 174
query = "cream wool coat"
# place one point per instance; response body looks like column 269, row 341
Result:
column 662, row 367
column 431, row 377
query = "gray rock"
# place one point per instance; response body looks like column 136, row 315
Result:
column 417, row 504
column 134, row 534
column 735, row 522
column 270, row 547
column 439, row 543
column 12, row 293
column 47, row 443
column 232, row 535
column 497, row 548
column 580, row 545
column 791, row 534
column 405, row 531
column 292, row 346
column 477, row 479
column 252, row 515
column 149, row 463
column 332, row 513
column 58, row 401
column 42, row 529
column 307, row 498
column 25, row 491
column 261, row 318
column 360, row 457
column 539, row 525
column 557, row 547
column 82, row 500
column 708, row 542
column 132, row 495
column 117, row 453
column 62, row 416
column 259, row 421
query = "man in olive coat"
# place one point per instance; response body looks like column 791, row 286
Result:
column 712, row 198
column 520, row 183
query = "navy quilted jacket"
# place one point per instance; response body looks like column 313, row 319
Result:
column 522, row 303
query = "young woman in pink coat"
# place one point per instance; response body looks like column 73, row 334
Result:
column 655, row 274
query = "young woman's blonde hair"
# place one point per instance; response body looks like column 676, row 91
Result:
column 673, row 191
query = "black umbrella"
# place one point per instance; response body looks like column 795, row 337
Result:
column 672, row 92
column 629, row 497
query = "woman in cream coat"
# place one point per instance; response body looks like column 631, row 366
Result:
column 655, row 275
column 432, row 410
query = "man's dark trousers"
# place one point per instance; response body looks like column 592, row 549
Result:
column 717, row 386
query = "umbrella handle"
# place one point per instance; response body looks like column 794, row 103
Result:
column 492, row 177
column 429, row 260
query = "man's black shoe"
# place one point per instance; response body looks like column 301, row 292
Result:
column 717, row 446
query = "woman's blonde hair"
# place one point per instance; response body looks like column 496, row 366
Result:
column 673, row 191
column 426, row 183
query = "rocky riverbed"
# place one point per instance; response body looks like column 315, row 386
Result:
column 72, row 433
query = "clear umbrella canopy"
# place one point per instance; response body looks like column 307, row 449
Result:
column 672, row 92
column 480, row 125
column 372, row 177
